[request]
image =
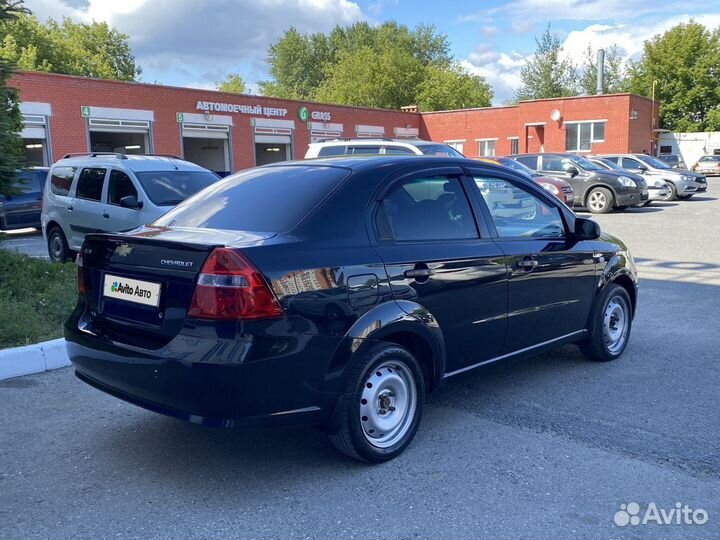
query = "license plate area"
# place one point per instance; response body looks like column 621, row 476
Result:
column 129, row 290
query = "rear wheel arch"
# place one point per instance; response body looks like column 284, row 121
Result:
column 423, row 353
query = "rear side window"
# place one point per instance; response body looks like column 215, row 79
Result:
column 399, row 151
column 528, row 161
column 61, row 180
column 363, row 150
column 29, row 182
column 426, row 209
column 90, row 184
column 120, row 186
column 272, row 199
column 629, row 163
column 332, row 151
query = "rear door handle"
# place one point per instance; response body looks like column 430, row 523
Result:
column 106, row 215
column 421, row 273
column 528, row 263
column 70, row 208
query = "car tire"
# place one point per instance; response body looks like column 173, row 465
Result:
column 380, row 409
column 672, row 193
column 600, row 200
column 611, row 325
column 685, row 197
column 58, row 248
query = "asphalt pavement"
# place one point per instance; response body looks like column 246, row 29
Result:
column 28, row 241
column 544, row 448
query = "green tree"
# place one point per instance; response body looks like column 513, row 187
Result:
column 380, row 66
column 10, row 118
column 685, row 62
column 614, row 79
column 452, row 88
column 233, row 83
column 90, row 50
column 546, row 74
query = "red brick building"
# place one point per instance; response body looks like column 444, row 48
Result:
column 226, row 132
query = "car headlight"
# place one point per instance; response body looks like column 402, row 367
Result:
column 627, row 182
column 551, row 188
column 688, row 178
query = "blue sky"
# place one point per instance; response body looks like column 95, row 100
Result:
column 195, row 42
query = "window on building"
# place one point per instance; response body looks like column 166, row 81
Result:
column 514, row 146
column 579, row 136
column 456, row 145
column 486, row 148
column 666, row 149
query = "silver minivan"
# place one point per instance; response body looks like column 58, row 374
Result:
column 99, row 192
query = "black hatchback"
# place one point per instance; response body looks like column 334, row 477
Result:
column 337, row 292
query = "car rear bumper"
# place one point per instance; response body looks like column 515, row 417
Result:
column 241, row 381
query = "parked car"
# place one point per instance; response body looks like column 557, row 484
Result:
column 99, row 192
column 204, row 314
column 21, row 209
column 708, row 165
column 595, row 187
column 674, row 160
column 560, row 188
column 683, row 184
column 657, row 189
column 382, row 146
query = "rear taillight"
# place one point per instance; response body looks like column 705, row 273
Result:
column 80, row 274
column 229, row 287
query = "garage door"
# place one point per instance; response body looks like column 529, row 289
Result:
column 208, row 146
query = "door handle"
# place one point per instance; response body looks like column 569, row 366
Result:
column 70, row 208
column 106, row 215
column 528, row 263
column 419, row 274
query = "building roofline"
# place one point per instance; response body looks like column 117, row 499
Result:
column 204, row 91
column 491, row 108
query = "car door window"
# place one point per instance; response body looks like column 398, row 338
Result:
column 423, row 209
column 61, row 180
column 517, row 212
column 120, row 185
column 331, row 151
column 363, row 150
column 398, row 150
column 90, row 184
column 630, row 163
column 528, row 161
column 555, row 164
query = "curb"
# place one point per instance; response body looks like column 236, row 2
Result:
column 35, row 358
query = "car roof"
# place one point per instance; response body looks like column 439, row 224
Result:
column 375, row 140
column 132, row 162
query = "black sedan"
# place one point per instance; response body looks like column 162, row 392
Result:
column 337, row 292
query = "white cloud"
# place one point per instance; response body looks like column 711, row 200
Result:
column 500, row 69
column 204, row 39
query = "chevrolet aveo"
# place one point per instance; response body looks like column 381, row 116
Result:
column 337, row 292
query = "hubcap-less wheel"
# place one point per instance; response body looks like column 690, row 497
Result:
column 597, row 201
column 615, row 324
column 387, row 405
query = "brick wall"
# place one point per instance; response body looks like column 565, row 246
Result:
column 529, row 121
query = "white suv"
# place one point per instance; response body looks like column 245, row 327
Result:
column 358, row 147
column 101, row 192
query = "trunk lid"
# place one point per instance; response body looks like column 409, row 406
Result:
column 139, row 285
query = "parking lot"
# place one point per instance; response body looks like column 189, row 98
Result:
column 549, row 447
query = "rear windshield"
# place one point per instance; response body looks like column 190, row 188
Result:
column 272, row 199
column 168, row 188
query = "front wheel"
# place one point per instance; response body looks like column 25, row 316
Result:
column 610, row 325
column 381, row 407
column 600, row 201
column 672, row 192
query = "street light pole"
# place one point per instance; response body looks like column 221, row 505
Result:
column 652, row 121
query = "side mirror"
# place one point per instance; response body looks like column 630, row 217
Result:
column 642, row 169
column 586, row 229
column 130, row 202
column 572, row 170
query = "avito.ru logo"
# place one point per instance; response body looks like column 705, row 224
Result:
column 680, row 514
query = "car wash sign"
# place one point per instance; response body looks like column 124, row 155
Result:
column 255, row 110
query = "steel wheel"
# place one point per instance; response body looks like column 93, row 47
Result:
column 387, row 405
column 616, row 323
column 56, row 246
